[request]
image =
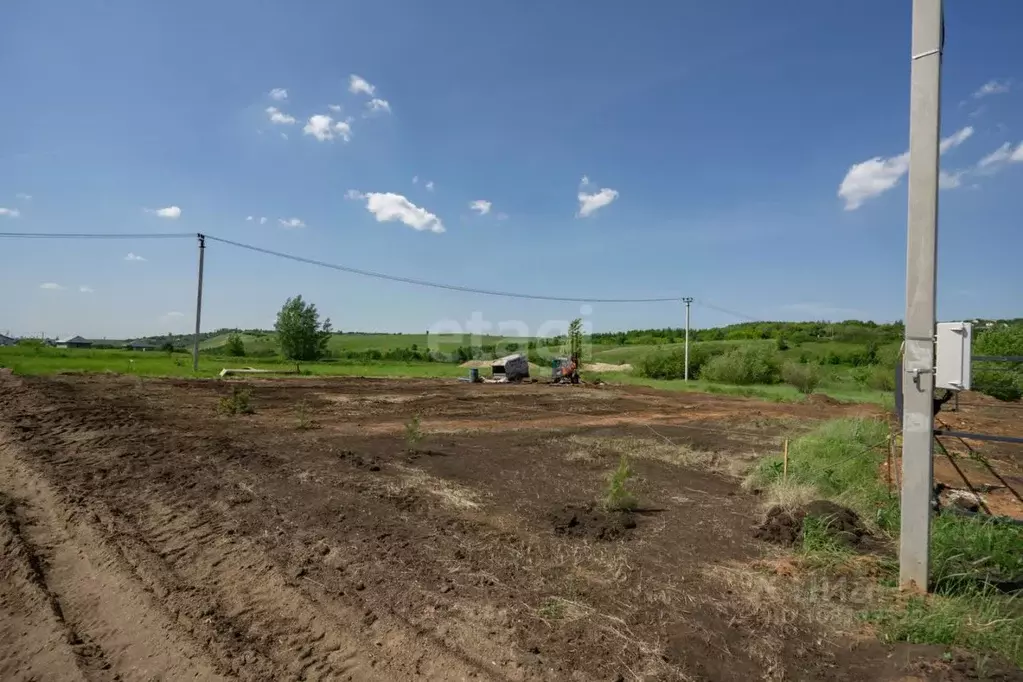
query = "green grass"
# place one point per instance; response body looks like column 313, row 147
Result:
column 772, row 392
column 970, row 556
column 28, row 361
column 362, row 342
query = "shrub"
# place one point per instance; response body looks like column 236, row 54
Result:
column 879, row 377
column 663, row 364
column 236, row 403
column 1000, row 384
column 413, row 432
column 235, row 346
column 806, row 378
column 618, row 497
column 743, row 366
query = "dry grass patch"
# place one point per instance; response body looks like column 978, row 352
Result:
column 450, row 494
column 660, row 449
column 785, row 494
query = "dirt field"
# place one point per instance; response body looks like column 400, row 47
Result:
column 147, row 537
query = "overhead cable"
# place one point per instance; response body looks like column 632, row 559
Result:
column 437, row 285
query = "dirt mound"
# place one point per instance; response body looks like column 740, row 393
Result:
column 606, row 367
column 785, row 526
column 589, row 521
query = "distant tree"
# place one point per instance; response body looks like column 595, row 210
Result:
column 235, row 346
column 167, row 347
column 299, row 331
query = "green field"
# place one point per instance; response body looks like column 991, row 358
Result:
column 267, row 341
column 45, row 360
column 30, row 361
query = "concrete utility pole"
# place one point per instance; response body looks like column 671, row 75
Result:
column 688, row 300
column 921, row 264
column 198, row 305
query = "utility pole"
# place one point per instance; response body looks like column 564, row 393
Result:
column 198, row 305
column 688, row 300
column 921, row 264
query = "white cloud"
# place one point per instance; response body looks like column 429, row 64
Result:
column 873, row 177
column 354, row 194
column 358, row 84
column 23, row 196
column 279, row 117
column 324, row 128
column 378, row 105
column 262, row 221
column 10, row 212
column 589, row 203
column 480, row 205
column 948, row 180
column 169, row 212
column 174, row 313
column 585, row 181
column 390, row 207
column 429, row 186
column 415, row 179
column 86, row 289
column 52, row 286
column 133, row 257
column 955, row 139
column 279, row 94
column 999, row 158
column 336, row 108
column 248, row 219
column 992, row 87
column 502, row 216
column 291, row 222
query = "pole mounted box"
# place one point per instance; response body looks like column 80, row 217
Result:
column 952, row 365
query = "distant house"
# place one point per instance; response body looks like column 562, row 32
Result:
column 139, row 345
column 74, row 342
column 7, row 340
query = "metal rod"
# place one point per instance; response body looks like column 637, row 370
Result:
column 921, row 264
column 969, row 486
column 979, row 436
column 688, row 301
column 198, row 305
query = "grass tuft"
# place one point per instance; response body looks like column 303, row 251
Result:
column 413, row 432
column 618, row 497
column 237, row 403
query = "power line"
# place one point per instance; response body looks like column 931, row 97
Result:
column 437, row 285
column 97, row 235
column 365, row 273
column 726, row 311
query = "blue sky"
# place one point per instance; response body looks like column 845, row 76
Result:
column 742, row 152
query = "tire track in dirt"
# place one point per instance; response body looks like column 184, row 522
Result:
column 236, row 605
column 35, row 640
column 112, row 625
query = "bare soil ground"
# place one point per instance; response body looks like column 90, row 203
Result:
column 146, row 537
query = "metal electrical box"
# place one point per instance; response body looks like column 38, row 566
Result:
column 952, row 364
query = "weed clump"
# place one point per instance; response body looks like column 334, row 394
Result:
column 618, row 498
column 303, row 420
column 237, row 403
column 413, row 432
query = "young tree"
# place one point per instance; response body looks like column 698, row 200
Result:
column 235, row 346
column 575, row 339
column 299, row 331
